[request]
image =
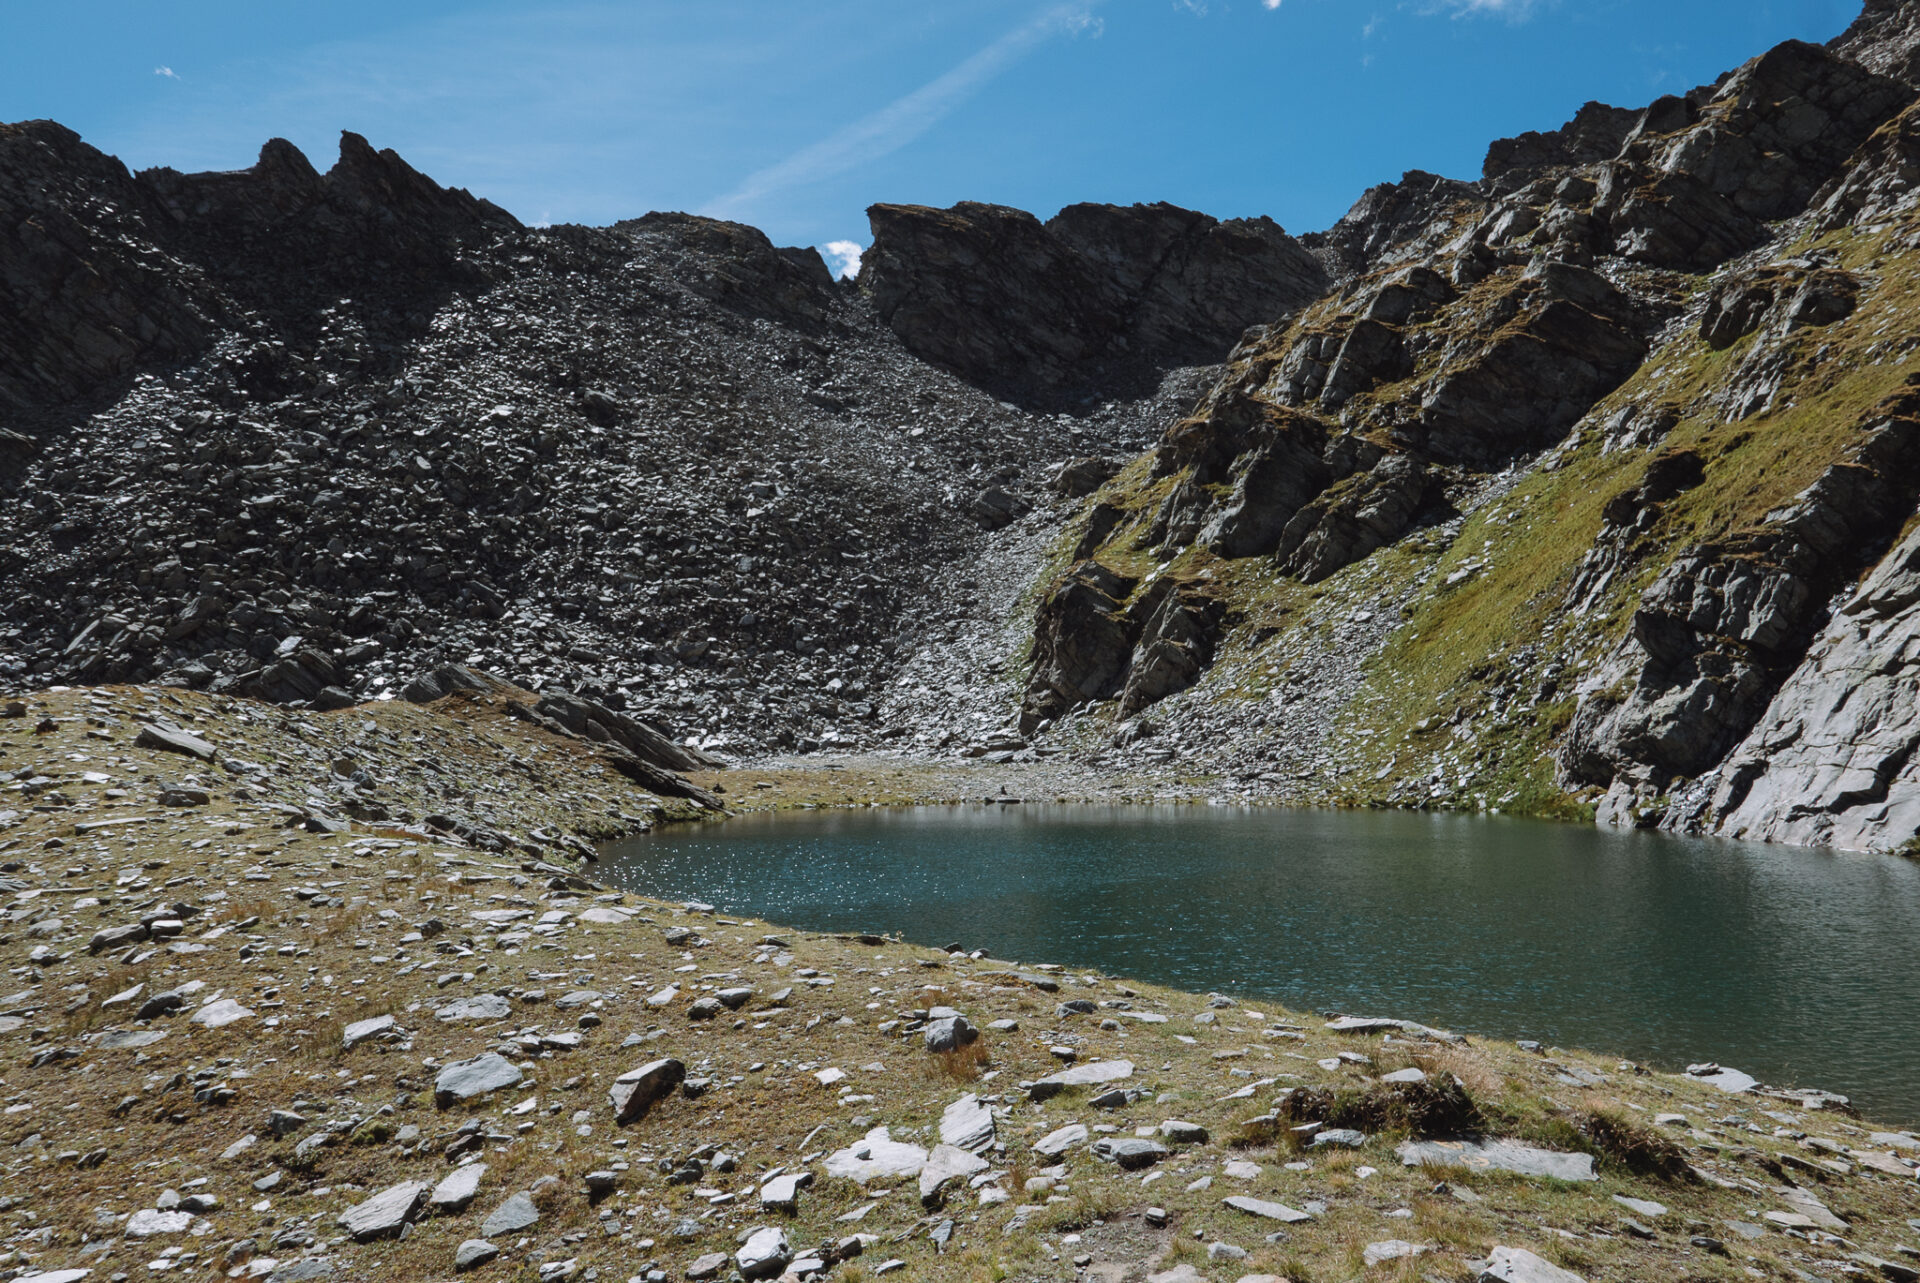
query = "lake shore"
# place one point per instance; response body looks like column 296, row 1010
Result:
column 243, row 1014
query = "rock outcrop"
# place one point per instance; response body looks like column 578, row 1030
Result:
column 1717, row 633
column 1832, row 761
column 1099, row 295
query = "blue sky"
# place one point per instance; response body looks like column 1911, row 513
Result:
column 794, row 115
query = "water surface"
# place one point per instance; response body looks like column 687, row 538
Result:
column 1797, row 966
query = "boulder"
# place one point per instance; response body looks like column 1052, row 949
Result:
column 472, row 1254
column 763, row 1255
column 636, row 1092
column 950, row 1033
column 1130, row 1153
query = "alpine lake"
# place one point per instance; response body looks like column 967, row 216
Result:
column 1797, row 966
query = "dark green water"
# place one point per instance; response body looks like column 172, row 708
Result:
column 1799, row 967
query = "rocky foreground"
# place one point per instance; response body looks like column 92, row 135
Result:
column 253, row 1036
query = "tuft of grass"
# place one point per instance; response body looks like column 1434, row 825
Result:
column 1638, row 1149
column 962, row 1064
column 1437, row 1107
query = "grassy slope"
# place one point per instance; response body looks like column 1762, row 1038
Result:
column 1472, row 653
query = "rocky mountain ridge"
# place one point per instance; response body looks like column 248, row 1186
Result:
column 1580, row 487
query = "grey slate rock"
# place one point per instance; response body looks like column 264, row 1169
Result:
column 472, row 1254
column 949, row 1034
column 174, row 740
column 458, row 1189
column 636, row 1091
column 466, row 1079
column 1517, row 1265
column 764, row 1255
column 1499, row 1156
column 967, row 1124
column 486, row 1006
column 1267, row 1210
column 361, row 1030
column 782, row 1193
column 1093, row 1074
column 517, row 1213
column 1131, row 1153
column 383, row 1215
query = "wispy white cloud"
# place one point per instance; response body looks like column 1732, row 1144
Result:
column 1198, row 8
column 1511, row 9
column 905, row 119
column 844, row 257
column 168, row 72
column 1270, row 4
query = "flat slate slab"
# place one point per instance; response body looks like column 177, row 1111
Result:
column 173, row 740
column 466, row 1079
column 458, row 1189
column 486, row 1006
column 129, row 1039
column 877, row 1155
column 1058, row 1142
column 1267, row 1211
column 1088, row 1075
column 361, row 1030
column 148, row 1222
column 1517, row 1265
column 1641, row 1206
column 1731, row 1081
column 967, row 1124
column 218, row 1015
column 944, row 1166
column 1383, row 1025
column 1498, row 1156
column 383, row 1215
column 517, row 1213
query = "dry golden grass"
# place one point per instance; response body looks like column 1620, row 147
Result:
column 961, row 1064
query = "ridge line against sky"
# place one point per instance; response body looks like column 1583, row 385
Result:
column 796, row 117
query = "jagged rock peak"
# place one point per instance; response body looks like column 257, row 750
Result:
column 284, row 183
column 1595, row 133
column 1041, row 310
column 1885, row 38
column 1391, row 221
